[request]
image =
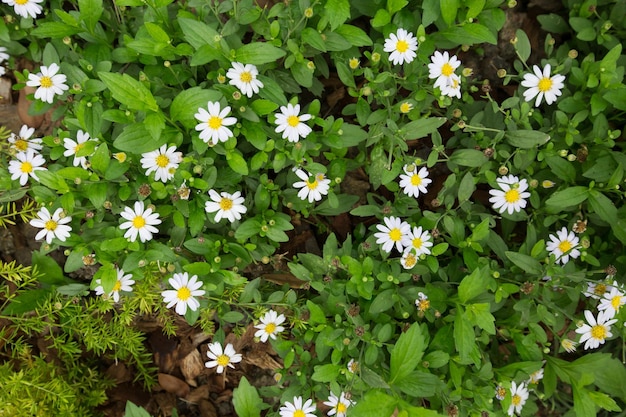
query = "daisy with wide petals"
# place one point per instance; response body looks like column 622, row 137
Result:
column 289, row 122
column 442, row 68
column 298, row 408
column 338, row 405
column 563, row 246
column 312, row 187
column 270, row 326
column 519, row 395
column 213, row 123
column 611, row 302
column 541, row 85
column 49, row 83
column 25, row 8
column 52, row 226
column 393, row 232
column 414, row 182
column 222, row 357
column 72, row 147
column 141, row 222
column 124, row 283
column 163, row 162
column 419, row 241
column 402, row 46
column 511, row 195
column 26, row 164
column 23, row 141
column 244, row 77
column 184, row 293
column 226, row 205
column 596, row 331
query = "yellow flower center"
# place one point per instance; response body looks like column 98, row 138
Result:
column 500, row 392
column 512, row 196
column 162, row 161
column 341, row 408
column 312, row 185
column 354, row 63
column 447, row 70
column 600, row 289
column 545, row 84
column 21, row 145
column 183, row 293
column 354, row 366
column 117, row 286
column 565, row 246
column 405, row 107
column 417, row 243
column 21, row 2
column 46, row 82
column 395, row 234
column 416, row 180
column 226, row 204
column 78, row 147
column 293, row 121
column 598, row 332
column 402, row 46
column 299, row 413
column 270, row 328
column 246, row 77
column 410, row 260
column 215, row 122
column 223, row 360
column 423, row 305
column 26, row 167
column 616, row 302
column 139, row 222
column 50, row 225
column 516, row 400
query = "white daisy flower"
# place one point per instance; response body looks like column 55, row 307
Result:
column 227, row 205
column 353, row 366
column 442, row 69
column 452, row 88
column 597, row 290
column 409, row 259
column 163, row 162
column 3, row 54
column 52, row 226
column 27, row 164
column 540, row 84
column 289, row 121
column 244, row 78
column 568, row 345
column 297, row 408
column 23, row 141
column 49, row 82
column 222, row 358
column 402, row 46
column 596, row 331
column 563, row 245
column 511, row 195
column 413, row 182
column 141, row 221
column 535, row 377
column 393, row 232
column 25, row 8
column 270, row 326
column 500, row 392
column 419, row 241
column 311, row 187
column 213, row 123
column 72, row 148
column 124, row 283
column 611, row 302
column 184, row 293
column 338, row 405
column 519, row 395
column 422, row 302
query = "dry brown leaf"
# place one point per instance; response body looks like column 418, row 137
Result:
column 173, row 385
column 198, row 394
column 191, row 366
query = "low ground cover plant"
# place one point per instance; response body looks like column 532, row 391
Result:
column 469, row 224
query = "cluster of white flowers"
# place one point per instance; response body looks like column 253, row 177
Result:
column 411, row 242
column 441, row 69
column 300, row 408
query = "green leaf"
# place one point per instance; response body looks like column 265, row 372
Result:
column 136, row 139
column 198, row 33
column 422, row 127
column 468, row 158
column 312, row 37
column 469, row 34
column 525, row 262
column 263, row 107
column 407, row 353
column 134, row 411
column 526, row 139
column 382, row 302
column 27, row 301
column 107, row 276
column 345, row 202
column 466, row 187
column 523, row 44
column 482, row 317
column 463, row 336
column 474, row 284
column 258, row 53
column 129, row 91
column 53, row 181
column 326, row 373
column 157, row 33
column 337, row 12
column 583, row 405
column 54, row 30
column 603, row 206
column 272, row 91
column 604, row 401
column 568, row 197
column 356, row 36
column 246, row 400
column 374, row 404
column 237, row 162
column 561, row 168
column 418, row 384
column 449, row 8
column 52, row 274
column 394, row 6
column 317, row 314
column 186, row 104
